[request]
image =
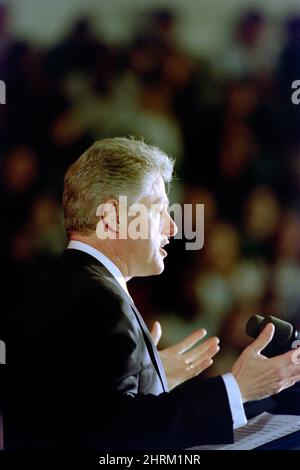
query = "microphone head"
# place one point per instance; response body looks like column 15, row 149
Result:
column 283, row 330
column 252, row 326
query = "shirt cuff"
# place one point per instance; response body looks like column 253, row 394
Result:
column 235, row 401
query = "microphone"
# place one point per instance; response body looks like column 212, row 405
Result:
column 285, row 336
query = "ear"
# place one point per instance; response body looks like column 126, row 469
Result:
column 108, row 214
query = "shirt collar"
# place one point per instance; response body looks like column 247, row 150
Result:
column 112, row 268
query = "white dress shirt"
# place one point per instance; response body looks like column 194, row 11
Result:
column 232, row 388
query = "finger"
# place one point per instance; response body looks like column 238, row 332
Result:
column 206, row 364
column 190, row 341
column 292, row 370
column 288, row 358
column 204, row 350
column 296, row 356
column 263, row 339
column 156, row 332
column 294, row 378
column 196, row 369
column 211, row 352
column 289, row 382
column 207, row 357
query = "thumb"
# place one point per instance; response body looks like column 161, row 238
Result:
column 264, row 338
column 156, row 332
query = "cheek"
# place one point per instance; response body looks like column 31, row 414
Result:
column 155, row 227
column 148, row 250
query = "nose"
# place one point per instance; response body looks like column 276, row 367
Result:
column 170, row 228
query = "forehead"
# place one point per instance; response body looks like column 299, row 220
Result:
column 157, row 192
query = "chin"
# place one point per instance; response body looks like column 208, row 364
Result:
column 155, row 270
column 159, row 268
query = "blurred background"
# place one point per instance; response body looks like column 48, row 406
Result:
column 210, row 83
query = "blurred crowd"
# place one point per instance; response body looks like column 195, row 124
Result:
column 230, row 124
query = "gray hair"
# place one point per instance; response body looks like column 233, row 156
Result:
column 108, row 169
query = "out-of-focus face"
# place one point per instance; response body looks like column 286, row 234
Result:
column 145, row 256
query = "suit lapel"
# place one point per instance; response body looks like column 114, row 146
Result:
column 151, row 349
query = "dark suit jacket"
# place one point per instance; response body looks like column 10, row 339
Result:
column 84, row 372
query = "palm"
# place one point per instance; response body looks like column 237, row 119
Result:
column 180, row 361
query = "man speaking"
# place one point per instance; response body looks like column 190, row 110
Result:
column 84, row 372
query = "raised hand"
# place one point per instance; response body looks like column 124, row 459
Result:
column 180, row 361
column 259, row 376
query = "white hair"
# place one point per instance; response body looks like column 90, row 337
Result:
column 108, row 169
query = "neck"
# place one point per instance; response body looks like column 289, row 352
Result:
column 107, row 248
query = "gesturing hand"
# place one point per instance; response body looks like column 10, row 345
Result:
column 179, row 361
column 258, row 376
